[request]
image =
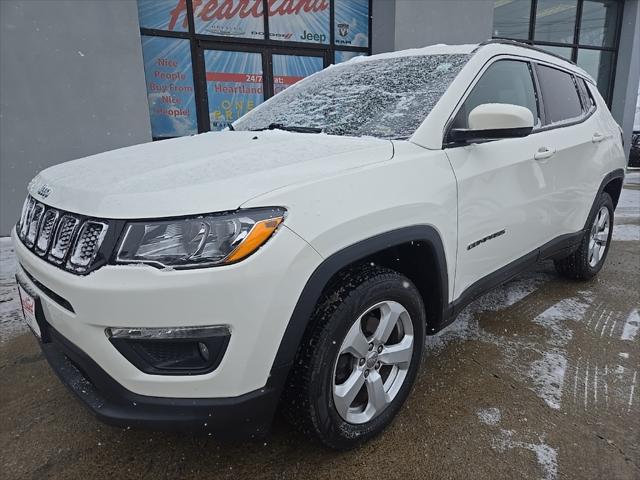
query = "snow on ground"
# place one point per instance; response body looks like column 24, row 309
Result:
column 631, row 326
column 547, row 456
column 10, row 311
column 626, row 232
column 489, row 416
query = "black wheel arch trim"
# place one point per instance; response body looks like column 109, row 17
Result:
column 333, row 264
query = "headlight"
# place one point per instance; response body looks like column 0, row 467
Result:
column 203, row 241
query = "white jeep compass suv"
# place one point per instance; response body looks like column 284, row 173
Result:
column 299, row 258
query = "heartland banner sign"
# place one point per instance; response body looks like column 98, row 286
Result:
column 289, row 20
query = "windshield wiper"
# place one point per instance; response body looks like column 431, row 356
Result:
column 289, row 128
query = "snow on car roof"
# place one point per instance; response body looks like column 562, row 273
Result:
column 500, row 46
column 438, row 49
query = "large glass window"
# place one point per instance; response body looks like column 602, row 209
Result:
column 555, row 20
column 168, row 15
column 208, row 62
column 234, row 85
column 296, row 21
column 351, row 23
column 599, row 22
column 230, row 18
column 561, row 98
column 504, row 81
column 511, row 18
column 583, row 31
column 167, row 68
column 599, row 64
column 290, row 69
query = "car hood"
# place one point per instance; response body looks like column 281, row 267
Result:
column 216, row 171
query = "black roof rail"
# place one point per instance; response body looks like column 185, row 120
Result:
column 515, row 43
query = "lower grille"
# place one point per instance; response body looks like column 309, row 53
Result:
column 67, row 240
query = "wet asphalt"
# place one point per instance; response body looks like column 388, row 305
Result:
column 538, row 379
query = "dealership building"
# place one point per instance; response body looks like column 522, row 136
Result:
column 82, row 77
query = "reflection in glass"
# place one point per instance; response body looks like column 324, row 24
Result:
column 598, row 23
column 511, row 18
column 564, row 52
column 555, row 20
column 234, row 85
column 289, row 69
column 598, row 64
column 343, row 56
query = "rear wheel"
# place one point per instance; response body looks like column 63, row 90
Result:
column 359, row 359
column 587, row 261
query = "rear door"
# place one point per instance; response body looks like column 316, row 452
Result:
column 579, row 141
column 504, row 192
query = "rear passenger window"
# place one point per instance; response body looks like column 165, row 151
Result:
column 559, row 94
column 505, row 81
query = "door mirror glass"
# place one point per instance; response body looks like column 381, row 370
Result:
column 491, row 121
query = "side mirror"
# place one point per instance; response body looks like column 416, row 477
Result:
column 492, row 121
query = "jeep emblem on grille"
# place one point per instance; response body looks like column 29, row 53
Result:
column 44, row 191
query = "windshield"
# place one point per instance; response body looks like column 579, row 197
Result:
column 385, row 98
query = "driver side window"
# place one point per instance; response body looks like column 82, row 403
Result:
column 505, row 81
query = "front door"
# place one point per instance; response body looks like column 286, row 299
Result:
column 505, row 187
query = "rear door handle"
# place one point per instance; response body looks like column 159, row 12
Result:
column 544, row 152
column 597, row 137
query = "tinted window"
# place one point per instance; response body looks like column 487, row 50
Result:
column 505, row 81
column 561, row 100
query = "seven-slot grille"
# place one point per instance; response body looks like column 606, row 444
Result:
column 62, row 238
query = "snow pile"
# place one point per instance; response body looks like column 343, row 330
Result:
column 11, row 323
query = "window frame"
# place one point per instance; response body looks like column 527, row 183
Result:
column 544, row 127
column 446, row 143
column 572, row 76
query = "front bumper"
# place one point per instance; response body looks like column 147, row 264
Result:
column 254, row 298
column 246, row 416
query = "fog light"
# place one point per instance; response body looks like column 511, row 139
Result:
column 204, row 351
column 172, row 351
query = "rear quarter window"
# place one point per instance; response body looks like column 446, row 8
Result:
column 559, row 94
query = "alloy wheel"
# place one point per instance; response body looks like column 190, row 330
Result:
column 599, row 238
column 372, row 362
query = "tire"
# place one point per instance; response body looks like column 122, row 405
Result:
column 313, row 396
column 583, row 264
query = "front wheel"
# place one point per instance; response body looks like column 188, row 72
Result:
column 587, row 261
column 359, row 359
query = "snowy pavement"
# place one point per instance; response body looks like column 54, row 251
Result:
column 537, row 379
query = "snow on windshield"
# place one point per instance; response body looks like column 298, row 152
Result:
column 385, row 98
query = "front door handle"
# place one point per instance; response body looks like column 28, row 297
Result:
column 544, row 152
column 597, row 137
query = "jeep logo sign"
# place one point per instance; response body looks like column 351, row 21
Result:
column 44, row 191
